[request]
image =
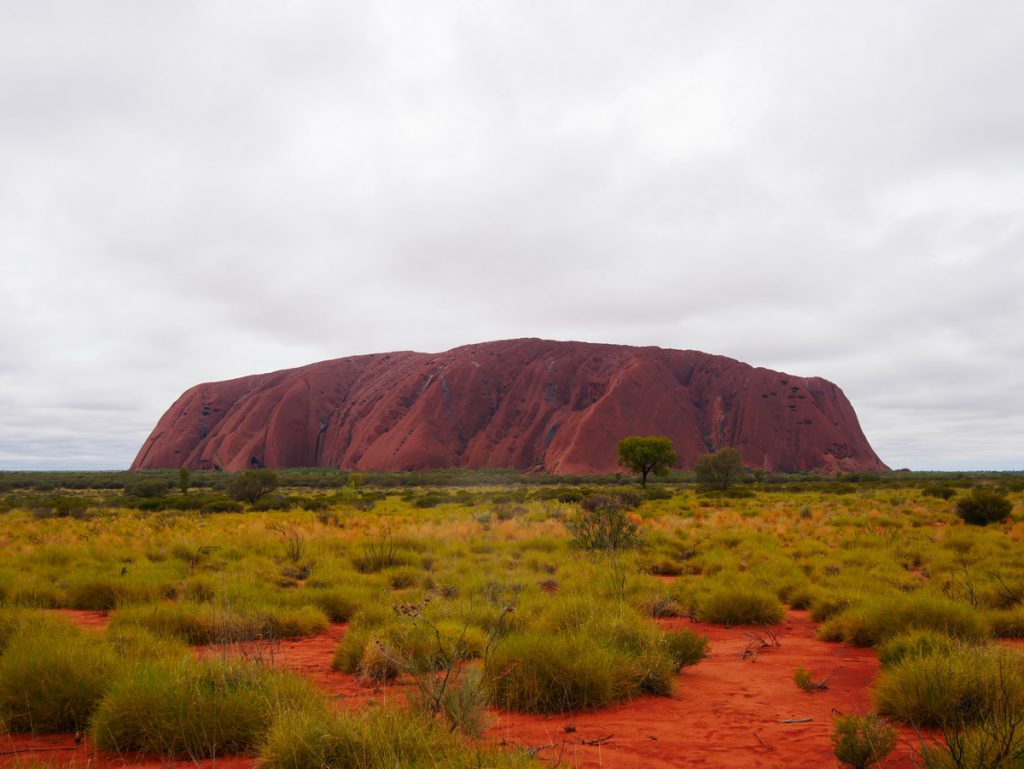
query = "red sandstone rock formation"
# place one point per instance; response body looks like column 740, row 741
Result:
column 531, row 404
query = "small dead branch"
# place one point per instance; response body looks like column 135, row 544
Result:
column 36, row 750
column 596, row 743
column 796, row 720
column 759, row 642
column 532, row 752
column 763, row 743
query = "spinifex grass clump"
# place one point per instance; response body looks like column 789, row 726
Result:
column 740, row 605
column 188, row 708
column 101, row 593
column 52, row 676
column 205, row 623
column 380, row 646
column 316, row 737
column 916, row 643
column 579, row 656
column 875, row 621
column 862, row 741
column 133, row 643
column 955, row 688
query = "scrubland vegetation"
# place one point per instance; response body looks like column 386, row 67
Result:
column 491, row 591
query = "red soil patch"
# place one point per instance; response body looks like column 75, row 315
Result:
column 93, row 620
column 728, row 711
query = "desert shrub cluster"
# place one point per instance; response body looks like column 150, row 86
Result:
column 536, row 596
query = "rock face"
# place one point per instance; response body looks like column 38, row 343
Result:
column 559, row 407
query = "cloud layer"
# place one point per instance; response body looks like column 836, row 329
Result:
column 193, row 191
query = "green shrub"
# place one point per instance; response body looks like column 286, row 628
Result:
column 402, row 577
column 939, row 492
column 944, row 689
column 982, row 507
column 382, row 652
column 11, row 620
column 379, row 661
column 204, row 623
column 825, row 605
column 51, row 677
column 740, row 606
column 877, row 621
column 95, row 593
column 316, row 738
column 134, row 643
column 538, row 673
column 195, row 709
column 604, row 523
column 339, row 604
column 860, row 741
column 1006, row 623
column 686, row 647
column 250, row 485
column 916, row 643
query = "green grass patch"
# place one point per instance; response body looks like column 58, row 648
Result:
column 740, row 605
column 952, row 689
column 317, row 738
column 195, row 709
column 205, row 623
column 879, row 620
column 52, row 677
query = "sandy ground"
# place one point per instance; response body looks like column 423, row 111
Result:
column 738, row 708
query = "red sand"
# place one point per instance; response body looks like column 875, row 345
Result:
column 728, row 711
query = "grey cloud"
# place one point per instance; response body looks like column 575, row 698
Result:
column 191, row 192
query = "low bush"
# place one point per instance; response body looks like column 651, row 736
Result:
column 1006, row 623
column 951, row 689
column 134, row 643
column 686, row 647
column 939, row 492
column 204, row 623
column 982, row 507
column 827, row 604
column 740, row 605
column 382, row 651
column 195, row 709
column 874, row 622
column 339, row 604
column 314, row 738
column 860, row 741
column 605, row 523
column 580, row 655
column 538, row 673
column 100, row 593
column 52, row 676
column 916, row 643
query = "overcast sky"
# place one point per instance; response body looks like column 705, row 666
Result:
column 193, row 191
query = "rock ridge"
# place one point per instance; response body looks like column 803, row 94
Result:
column 531, row 404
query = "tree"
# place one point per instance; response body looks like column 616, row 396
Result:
column 184, row 479
column 250, row 485
column 646, row 454
column 719, row 470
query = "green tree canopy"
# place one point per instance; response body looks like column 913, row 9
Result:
column 250, row 485
column 646, row 454
column 719, row 470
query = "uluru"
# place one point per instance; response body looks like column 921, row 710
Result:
column 530, row 404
